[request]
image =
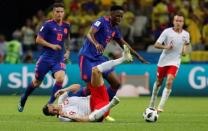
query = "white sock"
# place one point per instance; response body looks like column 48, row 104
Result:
column 110, row 64
column 97, row 114
column 165, row 95
column 153, row 99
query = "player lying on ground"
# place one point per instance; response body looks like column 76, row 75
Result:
column 92, row 108
column 77, row 109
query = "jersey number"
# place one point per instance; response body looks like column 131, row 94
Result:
column 59, row 37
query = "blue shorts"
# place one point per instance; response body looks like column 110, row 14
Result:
column 44, row 66
column 86, row 64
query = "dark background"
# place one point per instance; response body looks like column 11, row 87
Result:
column 13, row 13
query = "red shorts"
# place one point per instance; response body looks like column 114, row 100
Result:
column 164, row 71
column 99, row 97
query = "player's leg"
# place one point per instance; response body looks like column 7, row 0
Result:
column 97, row 79
column 41, row 70
column 126, row 56
column 171, row 73
column 89, row 73
column 99, row 96
column 114, row 82
column 86, row 65
column 109, row 74
column 161, row 71
column 34, row 84
column 155, row 90
column 59, row 75
column 97, row 114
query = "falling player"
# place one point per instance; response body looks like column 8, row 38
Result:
column 80, row 108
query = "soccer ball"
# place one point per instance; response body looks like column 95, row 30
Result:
column 150, row 115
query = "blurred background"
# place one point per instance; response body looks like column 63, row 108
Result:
column 142, row 24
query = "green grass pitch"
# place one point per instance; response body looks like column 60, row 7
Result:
column 181, row 114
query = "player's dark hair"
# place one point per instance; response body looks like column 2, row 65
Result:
column 179, row 14
column 46, row 111
column 58, row 4
column 116, row 7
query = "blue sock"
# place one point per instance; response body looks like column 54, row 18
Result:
column 81, row 92
column 28, row 91
column 56, row 87
column 111, row 92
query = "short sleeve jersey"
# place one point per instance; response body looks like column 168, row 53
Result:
column 54, row 33
column 173, row 56
column 76, row 106
column 105, row 33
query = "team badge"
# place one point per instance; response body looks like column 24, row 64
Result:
column 65, row 30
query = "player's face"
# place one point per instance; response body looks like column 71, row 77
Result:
column 178, row 22
column 58, row 13
column 116, row 16
column 53, row 109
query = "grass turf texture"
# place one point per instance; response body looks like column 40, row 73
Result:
column 181, row 114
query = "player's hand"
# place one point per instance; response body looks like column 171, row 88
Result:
column 59, row 92
column 99, row 48
column 169, row 46
column 56, row 47
column 145, row 62
column 66, row 55
column 141, row 59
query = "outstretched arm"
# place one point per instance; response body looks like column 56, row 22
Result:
column 139, row 57
column 72, row 88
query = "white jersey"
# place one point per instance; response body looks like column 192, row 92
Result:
column 76, row 106
column 172, row 56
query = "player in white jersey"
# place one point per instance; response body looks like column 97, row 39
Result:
column 78, row 108
column 72, row 105
column 94, row 107
column 175, row 42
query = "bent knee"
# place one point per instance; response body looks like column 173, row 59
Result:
column 116, row 85
column 36, row 83
column 95, row 71
column 60, row 79
column 169, row 83
column 159, row 82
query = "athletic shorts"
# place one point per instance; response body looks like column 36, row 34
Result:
column 86, row 64
column 44, row 66
column 164, row 71
column 99, row 97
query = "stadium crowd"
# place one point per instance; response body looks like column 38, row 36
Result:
column 142, row 24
